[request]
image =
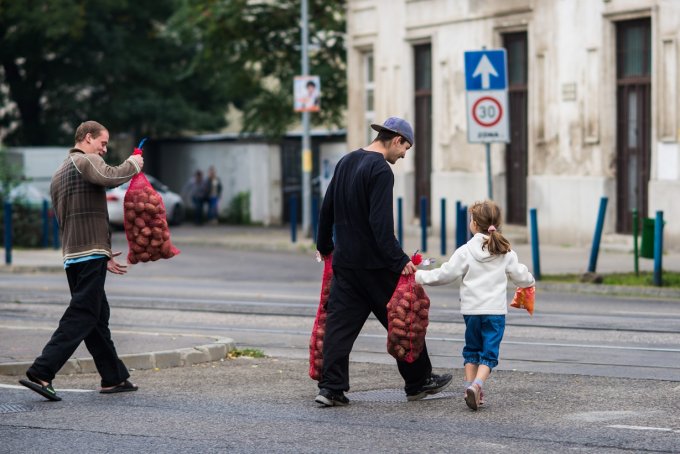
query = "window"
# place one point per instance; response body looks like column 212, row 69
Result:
column 369, row 96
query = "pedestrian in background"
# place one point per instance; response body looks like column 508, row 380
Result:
column 484, row 264
column 213, row 191
column 194, row 190
column 79, row 200
column 356, row 225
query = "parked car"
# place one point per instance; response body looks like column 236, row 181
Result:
column 30, row 194
column 174, row 206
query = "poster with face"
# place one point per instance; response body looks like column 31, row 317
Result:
column 307, row 93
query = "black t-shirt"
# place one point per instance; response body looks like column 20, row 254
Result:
column 356, row 222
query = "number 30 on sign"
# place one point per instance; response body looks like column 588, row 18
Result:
column 487, row 116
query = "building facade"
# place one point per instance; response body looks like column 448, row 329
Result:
column 593, row 107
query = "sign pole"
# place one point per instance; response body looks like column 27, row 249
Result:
column 489, row 182
column 306, row 148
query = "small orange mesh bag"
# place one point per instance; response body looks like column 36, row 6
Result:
column 524, row 299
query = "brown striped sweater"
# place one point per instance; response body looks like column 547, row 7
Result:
column 78, row 191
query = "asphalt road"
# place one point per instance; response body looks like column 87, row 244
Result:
column 586, row 373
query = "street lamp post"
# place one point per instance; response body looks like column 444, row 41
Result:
column 306, row 149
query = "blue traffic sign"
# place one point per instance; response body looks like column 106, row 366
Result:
column 485, row 70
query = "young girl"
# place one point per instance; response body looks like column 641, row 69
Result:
column 485, row 263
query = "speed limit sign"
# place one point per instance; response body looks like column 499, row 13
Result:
column 487, row 116
column 487, row 111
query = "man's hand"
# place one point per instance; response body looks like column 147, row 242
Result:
column 115, row 267
column 139, row 159
column 410, row 268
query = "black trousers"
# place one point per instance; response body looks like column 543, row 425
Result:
column 354, row 295
column 86, row 319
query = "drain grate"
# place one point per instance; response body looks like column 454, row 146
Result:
column 13, row 408
column 393, row 395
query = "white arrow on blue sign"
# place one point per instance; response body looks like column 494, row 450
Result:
column 485, row 70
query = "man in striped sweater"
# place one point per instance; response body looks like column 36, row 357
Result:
column 78, row 191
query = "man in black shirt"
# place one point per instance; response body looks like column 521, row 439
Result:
column 356, row 225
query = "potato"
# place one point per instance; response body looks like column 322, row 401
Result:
column 144, row 257
column 417, row 328
column 139, row 207
column 398, row 323
column 154, row 199
column 130, row 215
column 150, row 208
column 142, row 240
column 409, row 296
column 139, row 222
column 399, row 332
column 136, row 248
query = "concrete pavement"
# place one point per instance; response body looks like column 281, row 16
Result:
column 141, row 351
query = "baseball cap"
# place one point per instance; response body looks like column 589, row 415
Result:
column 398, row 126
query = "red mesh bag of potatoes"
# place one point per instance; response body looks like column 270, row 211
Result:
column 146, row 226
column 319, row 329
column 407, row 318
column 524, row 299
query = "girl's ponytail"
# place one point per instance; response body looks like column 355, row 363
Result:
column 487, row 215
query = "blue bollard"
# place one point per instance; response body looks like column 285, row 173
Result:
column 293, row 219
column 598, row 235
column 315, row 217
column 536, row 257
column 443, row 235
column 658, row 247
column 46, row 224
column 400, row 222
column 461, row 225
column 423, row 224
column 55, row 231
column 8, row 233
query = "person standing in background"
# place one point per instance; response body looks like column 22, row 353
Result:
column 194, row 190
column 213, row 191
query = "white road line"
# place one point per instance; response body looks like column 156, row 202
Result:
column 655, row 429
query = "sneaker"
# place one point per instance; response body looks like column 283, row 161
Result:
column 472, row 396
column 432, row 385
column 481, row 396
column 330, row 398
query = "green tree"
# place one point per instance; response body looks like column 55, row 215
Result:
column 64, row 61
column 255, row 46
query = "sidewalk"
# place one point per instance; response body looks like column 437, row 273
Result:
column 553, row 259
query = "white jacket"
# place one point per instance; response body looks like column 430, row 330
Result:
column 483, row 289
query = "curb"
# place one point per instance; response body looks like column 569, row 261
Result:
column 138, row 361
column 611, row 290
